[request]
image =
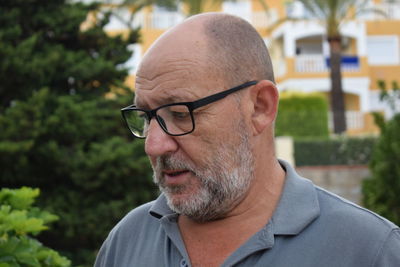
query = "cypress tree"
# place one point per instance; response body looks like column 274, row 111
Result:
column 58, row 131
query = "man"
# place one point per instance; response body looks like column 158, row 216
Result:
column 206, row 103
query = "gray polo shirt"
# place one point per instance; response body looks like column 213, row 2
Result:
column 310, row 227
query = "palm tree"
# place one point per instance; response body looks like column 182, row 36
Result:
column 134, row 7
column 333, row 13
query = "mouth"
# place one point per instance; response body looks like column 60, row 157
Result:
column 175, row 176
column 174, row 173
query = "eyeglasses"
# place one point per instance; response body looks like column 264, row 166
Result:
column 175, row 119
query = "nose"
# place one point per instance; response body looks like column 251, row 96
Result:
column 158, row 142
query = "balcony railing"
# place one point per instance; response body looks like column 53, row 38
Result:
column 354, row 120
column 320, row 63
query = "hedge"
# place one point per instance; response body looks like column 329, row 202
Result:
column 340, row 151
column 302, row 115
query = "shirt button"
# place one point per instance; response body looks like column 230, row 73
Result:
column 183, row 263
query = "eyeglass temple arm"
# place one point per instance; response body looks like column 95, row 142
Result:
column 218, row 96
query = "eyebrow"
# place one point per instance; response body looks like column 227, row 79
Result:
column 170, row 99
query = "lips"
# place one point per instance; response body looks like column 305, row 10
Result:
column 175, row 177
column 174, row 173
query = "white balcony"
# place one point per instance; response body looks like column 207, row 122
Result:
column 310, row 63
column 320, row 63
column 354, row 120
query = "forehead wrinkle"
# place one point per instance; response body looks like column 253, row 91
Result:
column 170, row 82
column 179, row 67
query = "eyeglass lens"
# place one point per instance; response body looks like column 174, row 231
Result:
column 175, row 120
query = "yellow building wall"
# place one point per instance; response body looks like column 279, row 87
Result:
column 271, row 4
column 383, row 27
column 385, row 73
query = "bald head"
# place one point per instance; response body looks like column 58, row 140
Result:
column 237, row 49
column 226, row 47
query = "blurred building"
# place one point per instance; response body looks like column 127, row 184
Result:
column 299, row 49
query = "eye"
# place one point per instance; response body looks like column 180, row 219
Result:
column 179, row 112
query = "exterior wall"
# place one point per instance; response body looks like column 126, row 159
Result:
column 345, row 181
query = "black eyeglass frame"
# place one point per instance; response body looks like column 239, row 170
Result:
column 190, row 105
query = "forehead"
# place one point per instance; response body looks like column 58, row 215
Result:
column 173, row 79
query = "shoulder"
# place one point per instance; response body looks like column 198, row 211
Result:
column 349, row 213
column 355, row 225
column 346, row 225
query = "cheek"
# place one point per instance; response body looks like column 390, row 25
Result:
column 213, row 131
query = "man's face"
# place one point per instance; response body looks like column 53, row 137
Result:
column 206, row 173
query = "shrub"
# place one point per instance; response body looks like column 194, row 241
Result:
column 340, row 151
column 302, row 115
column 82, row 157
column 381, row 191
column 19, row 223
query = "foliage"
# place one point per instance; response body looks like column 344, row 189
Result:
column 19, row 223
column 392, row 98
column 41, row 45
column 58, row 131
column 381, row 191
column 339, row 151
column 77, row 151
column 302, row 115
column 334, row 12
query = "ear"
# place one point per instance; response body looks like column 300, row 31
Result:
column 264, row 100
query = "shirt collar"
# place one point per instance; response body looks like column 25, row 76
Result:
column 297, row 207
column 160, row 207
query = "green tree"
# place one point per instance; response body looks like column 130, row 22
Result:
column 20, row 222
column 41, row 45
column 381, row 191
column 58, row 131
column 79, row 154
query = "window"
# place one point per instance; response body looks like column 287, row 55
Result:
column 383, row 50
column 165, row 17
column 133, row 62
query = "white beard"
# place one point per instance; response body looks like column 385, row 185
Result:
column 220, row 186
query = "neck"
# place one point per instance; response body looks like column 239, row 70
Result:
column 259, row 203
